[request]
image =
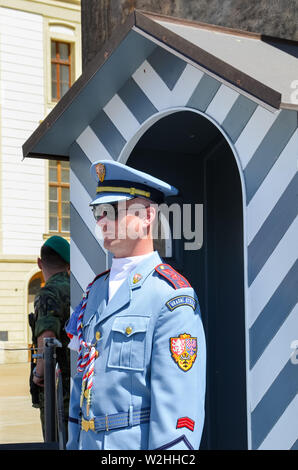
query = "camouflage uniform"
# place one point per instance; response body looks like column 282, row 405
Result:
column 51, row 306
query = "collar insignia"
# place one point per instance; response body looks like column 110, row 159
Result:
column 136, row 278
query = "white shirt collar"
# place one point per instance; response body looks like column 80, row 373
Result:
column 120, row 270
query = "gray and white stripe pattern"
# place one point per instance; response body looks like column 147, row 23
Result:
column 265, row 146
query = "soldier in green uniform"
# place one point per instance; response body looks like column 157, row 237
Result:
column 51, row 312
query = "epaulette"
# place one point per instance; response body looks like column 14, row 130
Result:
column 176, row 279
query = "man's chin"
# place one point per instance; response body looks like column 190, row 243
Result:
column 109, row 243
column 116, row 247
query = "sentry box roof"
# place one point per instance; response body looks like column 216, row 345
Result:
column 261, row 68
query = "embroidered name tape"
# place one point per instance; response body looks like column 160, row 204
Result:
column 181, row 300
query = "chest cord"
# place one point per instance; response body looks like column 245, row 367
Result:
column 86, row 354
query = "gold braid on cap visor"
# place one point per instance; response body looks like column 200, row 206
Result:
column 131, row 191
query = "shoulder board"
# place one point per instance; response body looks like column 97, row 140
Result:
column 176, row 279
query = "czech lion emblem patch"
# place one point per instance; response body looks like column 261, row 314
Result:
column 184, row 351
column 100, row 171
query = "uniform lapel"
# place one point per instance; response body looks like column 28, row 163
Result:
column 97, row 302
column 104, row 295
column 124, row 294
column 118, row 301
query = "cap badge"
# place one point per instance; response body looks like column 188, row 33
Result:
column 100, row 171
column 137, row 278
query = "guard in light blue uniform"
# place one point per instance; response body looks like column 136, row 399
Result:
column 142, row 357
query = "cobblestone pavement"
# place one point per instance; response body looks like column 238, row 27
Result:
column 19, row 421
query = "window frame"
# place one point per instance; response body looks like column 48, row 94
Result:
column 57, row 62
column 59, row 185
column 65, row 32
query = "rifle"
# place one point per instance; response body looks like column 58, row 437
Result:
column 60, row 409
column 34, row 389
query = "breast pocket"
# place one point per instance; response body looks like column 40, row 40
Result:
column 128, row 343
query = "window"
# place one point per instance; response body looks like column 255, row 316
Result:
column 59, row 217
column 60, row 69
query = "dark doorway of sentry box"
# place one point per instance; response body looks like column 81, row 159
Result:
column 188, row 151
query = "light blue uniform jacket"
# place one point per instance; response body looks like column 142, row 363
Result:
column 138, row 371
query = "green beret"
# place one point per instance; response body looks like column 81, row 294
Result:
column 60, row 245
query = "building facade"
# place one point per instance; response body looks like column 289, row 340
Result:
column 40, row 58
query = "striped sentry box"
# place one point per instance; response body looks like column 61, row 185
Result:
column 264, row 143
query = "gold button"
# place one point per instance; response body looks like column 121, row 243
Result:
column 96, row 354
column 97, row 335
column 128, row 330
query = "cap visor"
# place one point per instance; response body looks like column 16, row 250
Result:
column 109, row 198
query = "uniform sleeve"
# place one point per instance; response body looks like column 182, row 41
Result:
column 71, row 325
column 74, row 414
column 74, row 404
column 48, row 310
column 71, row 328
column 178, row 375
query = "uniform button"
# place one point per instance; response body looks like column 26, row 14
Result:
column 97, row 335
column 128, row 330
column 96, row 354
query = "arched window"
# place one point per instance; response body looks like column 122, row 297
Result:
column 62, row 59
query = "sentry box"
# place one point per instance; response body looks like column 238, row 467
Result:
column 212, row 111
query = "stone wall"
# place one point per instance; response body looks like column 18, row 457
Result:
column 270, row 17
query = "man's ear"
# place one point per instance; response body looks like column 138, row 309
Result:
column 39, row 263
column 151, row 213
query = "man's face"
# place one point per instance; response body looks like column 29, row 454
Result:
column 123, row 224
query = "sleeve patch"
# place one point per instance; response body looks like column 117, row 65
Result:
column 181, row 300
column 184, row 351
column 185, row 423
column 176, row 279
